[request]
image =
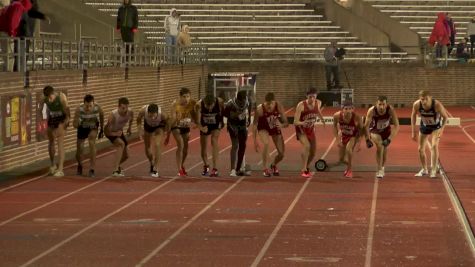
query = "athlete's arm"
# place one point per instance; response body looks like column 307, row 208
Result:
column 281, row 109
column 101, row 122
column 198, row 114
column 369, row 117
column 76, row 118
column 140, row 118
column 319, row 112
column 298, row 112
column 129, row 129
column 64, row 103
column 335, row 124
column 443, row 112
column 108, row 127
column 395, row 122
column 413, row 120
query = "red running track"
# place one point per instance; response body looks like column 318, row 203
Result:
column 246, row 221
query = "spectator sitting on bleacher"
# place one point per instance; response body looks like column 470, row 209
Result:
column 184, row 41
column 439, row 38
column 462, row 50
column 471, row 34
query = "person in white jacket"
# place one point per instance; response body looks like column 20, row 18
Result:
column 172, row 29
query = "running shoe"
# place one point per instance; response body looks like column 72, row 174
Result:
column 421, row 173
column 182, row 172
column 205, row 170
column 433, row 173
column 154, row 174
column 233, row 173
column 151, row 168
column 380, row 174
column 275, row 170
column 118, row 173
column 91, row 173
column 121, row 171
column 214, row 173
column 58, row 174
column 79, row 170
column 306, row 174
column 267, row 173
column 382, row 170
column 52, row 170
column 348, row 174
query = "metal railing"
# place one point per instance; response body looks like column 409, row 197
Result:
column 50, row 54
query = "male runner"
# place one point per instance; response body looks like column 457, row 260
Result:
column 267, row 124
column 181, row 117
column 346, row 128
column 238, row 113
column 210, row 121
column 118, row 118
column 58, row 121
column 306, row 114
column 89, row 120
column 152, row 132
column 379, row 119
column 433, row 119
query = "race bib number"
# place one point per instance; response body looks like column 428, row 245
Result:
column 381, row 125
column 88, row 124
column 55, row 114
column 209, row 119
column 428, row 121
column 273, row 122
column 184, row 123
column 242, row 116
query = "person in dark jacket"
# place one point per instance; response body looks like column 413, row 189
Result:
column 127, row 21
column 26, row 29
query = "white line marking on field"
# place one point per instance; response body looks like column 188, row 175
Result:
column 369, row 244
column 76, row 191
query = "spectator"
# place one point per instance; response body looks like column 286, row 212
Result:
column 26, row 29
column 184, row 42
column 172, row 28
column 439, row 38
column 471, row 34
column 331, row 66
column 10, row 16
column 451, row 26
column 127, row 21
column 462, row 50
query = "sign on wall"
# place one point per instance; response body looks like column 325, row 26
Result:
column 15, row 120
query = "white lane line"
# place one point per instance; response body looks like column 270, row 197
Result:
column 74, row 236
column 66, row 167
column 189, row 222
column 463, row 128
column 80, row 189
column 282, row 220
column 369, row 244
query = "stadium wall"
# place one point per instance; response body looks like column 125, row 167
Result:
column 454, row 85
column 142, row 86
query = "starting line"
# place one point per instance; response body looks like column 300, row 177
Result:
column 454, row 121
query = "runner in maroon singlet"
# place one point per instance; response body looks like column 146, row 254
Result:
column 267, row 123
column 378, row 120
column 346, row 128
column 306, row 114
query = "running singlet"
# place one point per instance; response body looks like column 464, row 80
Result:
column 153, row 123
column 310, row 116
column 56, row 114
column 119, row 121
column 269, row 121
column 237, row 115
column 183, row 114
column 430, row 119
column 89, row 120
column 381, row 124
column 348, row 129
column 212, row 118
